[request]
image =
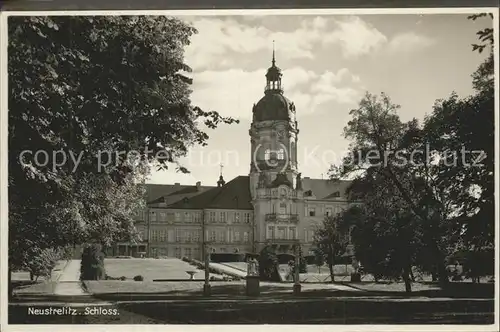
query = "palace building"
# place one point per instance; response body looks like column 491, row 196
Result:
column 272, row 205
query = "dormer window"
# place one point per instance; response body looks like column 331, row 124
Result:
column 308, row 193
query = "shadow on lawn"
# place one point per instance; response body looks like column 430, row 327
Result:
column 314, row 311
column 270, row 292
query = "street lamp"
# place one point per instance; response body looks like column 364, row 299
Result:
column 296, row 286
column 206, row 285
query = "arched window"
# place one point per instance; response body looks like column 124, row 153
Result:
column 281, row 154
column 267, row 154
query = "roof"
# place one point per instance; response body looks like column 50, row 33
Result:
column 234, row 195
column 326, row 189
column 274, row 106
column 171, row 193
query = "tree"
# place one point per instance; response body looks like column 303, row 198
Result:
column 465, row 127
column 319, row 258
column 331, row 241
column 430, row 204
column 109, row 91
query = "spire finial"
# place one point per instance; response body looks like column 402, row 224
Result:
column 274, row 60
column 221, row 181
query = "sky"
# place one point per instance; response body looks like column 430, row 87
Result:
column 328, row 64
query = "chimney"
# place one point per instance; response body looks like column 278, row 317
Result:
column 198, row 184
column 177, row 184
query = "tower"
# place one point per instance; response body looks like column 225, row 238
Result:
column 273, row 166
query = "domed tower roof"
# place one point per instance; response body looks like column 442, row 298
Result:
column 274, row 105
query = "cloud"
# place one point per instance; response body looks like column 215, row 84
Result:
column 233, row 92
column 356, row 37
column 409, row 42
column 296, row 39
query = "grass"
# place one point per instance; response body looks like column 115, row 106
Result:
column 149, row 268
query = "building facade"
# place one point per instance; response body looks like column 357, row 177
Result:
column 274, row 205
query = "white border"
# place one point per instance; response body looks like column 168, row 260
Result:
column 121, row 328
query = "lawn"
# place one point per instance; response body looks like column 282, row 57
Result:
column 150, row 268
column 126, row 290
column 22, row 284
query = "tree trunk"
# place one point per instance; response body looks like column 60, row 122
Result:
column 412, row 276
column 330, row 264
column 442, row 273
column 32, row 277
column 407, row 279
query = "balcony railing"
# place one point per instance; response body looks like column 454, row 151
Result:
column 279, row 240
column 293, row 218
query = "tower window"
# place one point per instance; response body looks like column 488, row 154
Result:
column 281, row 154
column 267, row 154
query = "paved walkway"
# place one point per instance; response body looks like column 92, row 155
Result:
column 69, row 281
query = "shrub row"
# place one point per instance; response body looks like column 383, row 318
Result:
column 123, row 278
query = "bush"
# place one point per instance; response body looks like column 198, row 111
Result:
column 139, row 278
column 92, row 265
column 268, row 265
column 123, row 278
column 42, row 264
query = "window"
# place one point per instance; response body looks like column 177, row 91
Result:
column 245, row 237
column 196, row 253
column 152, row 216
column 177, row 216
column 237, row 236
column 293, row 233
column 189, row 236
column 154, row 235
column 247, row 218
column 187, row 252
column 328, row 212
column 282, row 208
column 311, row 211
column 222, row 249
column 196, row 236
column 221, row 237
column 197, row 217
column 211, row 216
column 188, row 217
column 237, row 217
column 163, row 235
column 270, row 232
column 281, row 233
column 212, row 236
column 163, row 217
column 170, row 217
column 281, row 154
column 267, row 154
column 222, row 217
column 178, row 252
column 177, row 235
